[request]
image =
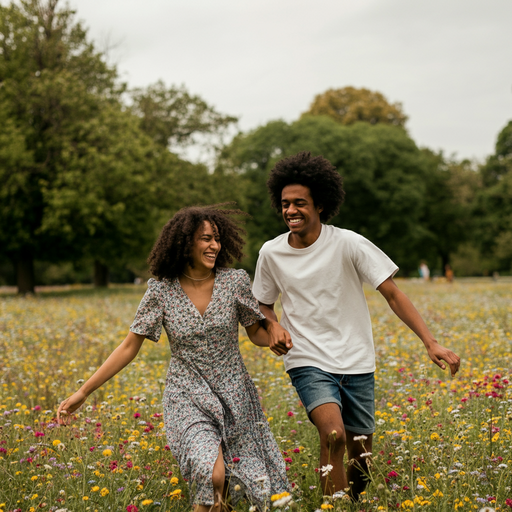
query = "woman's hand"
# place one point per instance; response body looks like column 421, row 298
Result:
column 69, row 406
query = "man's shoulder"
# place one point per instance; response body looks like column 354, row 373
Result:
column 270, row 245
column 342, row 234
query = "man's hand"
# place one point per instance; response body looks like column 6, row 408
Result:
column 280, row 340
column 438, row 354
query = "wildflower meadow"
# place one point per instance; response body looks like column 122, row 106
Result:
column 440, row 443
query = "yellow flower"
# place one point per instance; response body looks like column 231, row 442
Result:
column 104, row 491
column 95, row 489
column 85, row 498
column 107, row 453
column 438, row 493
column 434, row 436
column 276, row 497
column 326, row 506
column 174, row 481
column 147, row 502
column 407, row 504
column 35, row 477
column 56, row 442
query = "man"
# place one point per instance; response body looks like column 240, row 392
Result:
column 325, row 334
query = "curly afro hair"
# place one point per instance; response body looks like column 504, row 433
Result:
column 316, row 173
column 173, row 249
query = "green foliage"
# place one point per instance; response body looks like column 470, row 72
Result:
column 383, row 174
column 172, row 116
column 493, row 208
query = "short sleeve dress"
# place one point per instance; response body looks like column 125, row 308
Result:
column 209, row 398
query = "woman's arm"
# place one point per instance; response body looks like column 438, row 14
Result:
column 257, row 334
column 123, row 355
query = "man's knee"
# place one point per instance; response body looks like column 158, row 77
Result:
column 333, row 437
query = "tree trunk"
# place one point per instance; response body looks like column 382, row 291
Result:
column 445, row 259
column 100, row 275
column 24, row 269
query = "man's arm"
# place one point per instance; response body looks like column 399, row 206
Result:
column 405, row 310
column 280, row 340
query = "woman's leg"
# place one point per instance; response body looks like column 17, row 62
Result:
column 218, row 479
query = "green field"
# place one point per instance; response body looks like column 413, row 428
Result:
column 441, row 443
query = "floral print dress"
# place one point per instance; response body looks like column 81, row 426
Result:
column 209, row 398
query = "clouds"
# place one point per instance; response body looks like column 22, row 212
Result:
column 448, row 62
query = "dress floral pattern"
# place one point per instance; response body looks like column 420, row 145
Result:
column 209, row 398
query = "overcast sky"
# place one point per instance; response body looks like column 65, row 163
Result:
column 448, row 61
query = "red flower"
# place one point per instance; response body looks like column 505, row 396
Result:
column 508, row 502
column 136, row 415
column 289, row 460
column 290, row 413
column 236, row 459
column 132, row 508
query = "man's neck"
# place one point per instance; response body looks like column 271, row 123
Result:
column 301, row 242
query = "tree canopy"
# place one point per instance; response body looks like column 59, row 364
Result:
column 349, row 105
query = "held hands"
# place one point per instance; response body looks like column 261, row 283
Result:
column 438, row 354
column 280, row 341
column 69, row 406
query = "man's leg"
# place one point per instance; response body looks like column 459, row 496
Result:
column 328, row 421
column 357, row 470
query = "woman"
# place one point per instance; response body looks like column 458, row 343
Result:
column 214, row 423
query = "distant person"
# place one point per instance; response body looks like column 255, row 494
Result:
column 448, row 273
column 424, row 271
column 212, row 413
column 325, row 333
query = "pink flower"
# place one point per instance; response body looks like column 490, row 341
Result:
column 289, row 460
column 136, row 415
column 132, row 508
column 167, row 447
column 508, row 502
column 39, row 434
column 290, row 413
column 296, row 450
column 236, row 459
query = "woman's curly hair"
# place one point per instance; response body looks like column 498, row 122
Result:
column 316, row 173
column 173, row 249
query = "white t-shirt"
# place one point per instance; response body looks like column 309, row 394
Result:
column 324, row 307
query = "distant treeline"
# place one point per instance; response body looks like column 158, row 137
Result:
column 90, row 169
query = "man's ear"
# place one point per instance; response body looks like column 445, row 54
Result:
column 320, row 208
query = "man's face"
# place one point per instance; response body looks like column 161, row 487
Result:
column 299, row 211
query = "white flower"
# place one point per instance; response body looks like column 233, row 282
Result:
column 338, row 495
column 487, row 509
column 360, row 438
column 282, row 501
column 367, row 454
column 326, row 469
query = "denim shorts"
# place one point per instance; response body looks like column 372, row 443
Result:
column 355, row 394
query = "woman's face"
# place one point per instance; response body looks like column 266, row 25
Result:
column 206, row 246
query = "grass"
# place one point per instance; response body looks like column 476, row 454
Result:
column 440, row 444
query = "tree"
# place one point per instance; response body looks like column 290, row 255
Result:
column 383, row 174
column 173, row 117
column 493, row 209
column 56, row 91
column 350, row 105
column 451, row 191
